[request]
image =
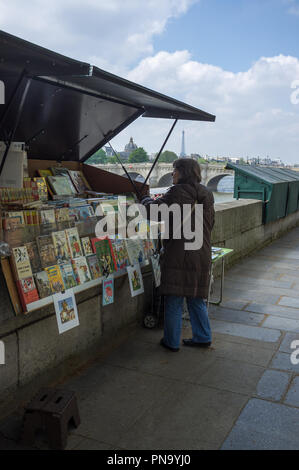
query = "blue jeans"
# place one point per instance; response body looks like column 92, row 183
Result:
column 201, row 330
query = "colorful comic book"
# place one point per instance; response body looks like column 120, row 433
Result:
column 60, row 247
column 43, row 284
column 102, row 247
column 81, row 270
column 86, row 246
column 46, row 250
column 73, row 241
column 68, row 276
column 94, row 266
column 55, row 279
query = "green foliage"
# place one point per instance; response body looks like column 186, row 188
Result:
column 138, row 155
column 97, row 158
column 167, row 157
column 202, row 160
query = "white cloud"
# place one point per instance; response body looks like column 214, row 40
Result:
column 254, row 113
column 114, row 33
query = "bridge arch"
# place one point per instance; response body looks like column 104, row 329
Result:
column 213, row 183
column 165, row 180
column 135, row 176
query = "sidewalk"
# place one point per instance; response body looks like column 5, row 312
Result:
column 242, row 393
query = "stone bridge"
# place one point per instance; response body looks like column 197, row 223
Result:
column 162, row 174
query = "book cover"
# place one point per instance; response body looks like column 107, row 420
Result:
column 43, row 284
column 81, row 270
column 102, row 247
column 62, row 214
column 44, row 173
column 46, row 250
column 11, row 223
column 42, row 188
column 86, row 246
column 66, row 310
column 148, row 248
column 94, row 266
column 61, row 185
column 135, row 250
column 108, row 291
column 79, row 181
column 68, row 276
column 21, row 262
column 84, row 212
column 120, row 253
column 60, row 247
column 47, row 216
column 27, row 291
column 73, row 242
column 33, row 256
column 55, row 279
column 19, row 214
column 135, row 279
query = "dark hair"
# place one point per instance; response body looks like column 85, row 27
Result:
column 189, row 170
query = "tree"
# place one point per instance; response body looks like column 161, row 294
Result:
column 168, row 157
column 97, row 158
column 138, row 155
column 201, row 160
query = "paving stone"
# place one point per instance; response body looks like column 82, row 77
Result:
column 289, row 302
column 287, row 342
column 283, row 361
column 110, row 399
column 258, row 282
column 247, row 331
column 232, row 375
column 91, row 444
column 276, row 310
column 292, row 397
column 188, row 417
column 149, row 358
column 234, row 304
column 263, row 292
column 249, row 295
column 263, row 425
column 285, row 324
column 272, row 385
column 236, row 316
column 250, row 353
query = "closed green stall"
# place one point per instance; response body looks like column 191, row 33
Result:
column 278, row 188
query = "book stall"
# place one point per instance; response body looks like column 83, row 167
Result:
column 49, row 230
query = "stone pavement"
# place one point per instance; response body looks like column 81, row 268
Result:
column 242, row 393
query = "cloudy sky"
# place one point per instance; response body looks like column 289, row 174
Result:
column 237, row 59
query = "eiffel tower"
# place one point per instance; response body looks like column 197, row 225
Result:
column 183, row 153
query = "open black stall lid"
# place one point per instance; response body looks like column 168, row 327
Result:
column 70, row 109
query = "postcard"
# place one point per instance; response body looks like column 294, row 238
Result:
column 66, row 311
column 108, row 291
column 135, row 279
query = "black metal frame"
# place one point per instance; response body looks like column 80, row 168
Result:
column 18, row 114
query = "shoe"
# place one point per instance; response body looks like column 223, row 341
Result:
column 168, row 347
column 193, row 344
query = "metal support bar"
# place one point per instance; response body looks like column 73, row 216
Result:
column 72, row 148
column 12, row 133
column 8, row 105
column 216, row 302
column 157, row 157
column 123, row 167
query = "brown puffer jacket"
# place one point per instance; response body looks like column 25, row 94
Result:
column 186, row 272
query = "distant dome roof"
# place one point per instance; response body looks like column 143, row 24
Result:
column 130, row 146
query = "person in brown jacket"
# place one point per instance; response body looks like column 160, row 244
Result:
column 186, row 272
